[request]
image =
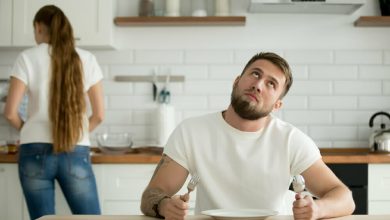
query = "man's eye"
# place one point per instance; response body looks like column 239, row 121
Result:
column 271, row 84
column 256, row 74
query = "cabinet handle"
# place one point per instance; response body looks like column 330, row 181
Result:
column 77, row 39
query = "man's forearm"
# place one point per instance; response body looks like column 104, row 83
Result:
column 338, row 202
column 150, row 201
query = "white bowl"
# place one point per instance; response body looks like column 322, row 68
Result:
column 114, row 143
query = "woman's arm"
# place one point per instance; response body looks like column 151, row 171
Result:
column 95, row 94
column 15, row 95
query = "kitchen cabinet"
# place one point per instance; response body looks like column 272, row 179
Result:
column 122, row 185
column 378, row 189
column 5, row 22
column 11, row 198
column 92, row 21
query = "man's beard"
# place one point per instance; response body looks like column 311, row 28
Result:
column 244, row 109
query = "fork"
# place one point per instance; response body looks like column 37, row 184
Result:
column 298, row 184
column 191, row 186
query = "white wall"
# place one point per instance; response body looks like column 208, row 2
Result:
column 341, row 72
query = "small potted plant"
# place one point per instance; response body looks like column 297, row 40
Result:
column 385, row 7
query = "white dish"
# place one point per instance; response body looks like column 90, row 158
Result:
column 229, row 214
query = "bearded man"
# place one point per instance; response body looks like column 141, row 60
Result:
column 245, row 156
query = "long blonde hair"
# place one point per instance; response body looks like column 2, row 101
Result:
column 66, row 102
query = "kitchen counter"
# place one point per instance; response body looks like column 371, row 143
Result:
column 330, row 156
column 198, row 217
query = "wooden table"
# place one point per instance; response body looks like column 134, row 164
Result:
column 195, row 217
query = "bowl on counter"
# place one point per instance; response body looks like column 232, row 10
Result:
column 114, row 143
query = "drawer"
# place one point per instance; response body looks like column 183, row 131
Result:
column 378, row 207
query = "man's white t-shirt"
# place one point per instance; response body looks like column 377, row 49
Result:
column 241, row 169
column 32, row 67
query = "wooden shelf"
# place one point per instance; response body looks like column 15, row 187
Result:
column 181, row 21
column 373, row 21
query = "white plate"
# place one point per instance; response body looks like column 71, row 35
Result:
column 229, row 214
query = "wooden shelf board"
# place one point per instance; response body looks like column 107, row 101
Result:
column 373, row 21
column 180, row 21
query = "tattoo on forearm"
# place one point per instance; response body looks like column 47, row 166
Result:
column 150, row 198
column 164, row 161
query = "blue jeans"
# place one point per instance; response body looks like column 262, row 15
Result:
column 39, row 167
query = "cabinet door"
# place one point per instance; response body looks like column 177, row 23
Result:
column 5, row 22
column 378, row 189
column 122, row 187
column 11, row 198
column 92, row 21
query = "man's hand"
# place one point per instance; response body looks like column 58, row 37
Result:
column 304, row 208
column 173, row 208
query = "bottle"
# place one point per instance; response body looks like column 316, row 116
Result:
column 146, row 8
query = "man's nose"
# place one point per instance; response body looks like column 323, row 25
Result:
column 258, row 86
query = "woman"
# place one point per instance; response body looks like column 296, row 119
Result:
column 57, row 78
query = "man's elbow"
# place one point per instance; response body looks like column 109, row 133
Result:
column 351, row 203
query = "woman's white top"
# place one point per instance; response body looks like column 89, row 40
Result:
column 32, row 67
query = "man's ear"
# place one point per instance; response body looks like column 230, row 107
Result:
column 278, row 104
column 236, row 81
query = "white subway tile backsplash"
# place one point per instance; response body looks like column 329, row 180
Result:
column 119, row 117
column 5, row 133
column 295, row 102
column 309, row 56
column 386, row 87
column 333, row 102
column 242, row 57
column 117, row 88
column 351, row 144
column 219, row 102
column 114, row 57
column 208, row 87
column 324, row 144
column 208, row 56
column 130, row 102
column 386, row 59
column 357, row 88
column 299, row 71
column 301, row 87
column 8, row 57
column 354, row 117
column 5, row 71
column 190, row 72
column 374, row 72
column 158, row 56
column 190, row 102
column 131, row 70
column 335, row 72
column 374, row 102
column 143, row 117
column 308, row 117
column 358, row 57
column 337, row 133
column 226, row 72
column 332, row 98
